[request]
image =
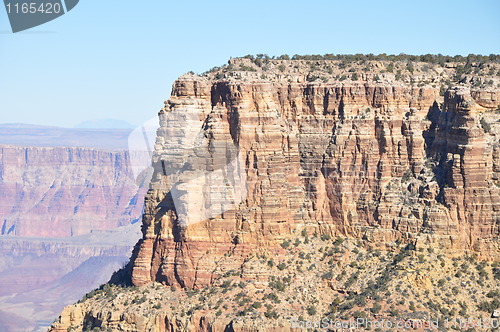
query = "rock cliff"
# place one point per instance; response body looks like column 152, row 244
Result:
column 377, row 160
column 370, row 161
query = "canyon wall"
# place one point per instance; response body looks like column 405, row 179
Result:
column 65, row 191
column 383, row 162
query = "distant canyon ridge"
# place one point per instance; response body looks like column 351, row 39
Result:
column 70, row 214
column 65, row 191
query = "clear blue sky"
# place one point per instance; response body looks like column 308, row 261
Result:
column 118, row 59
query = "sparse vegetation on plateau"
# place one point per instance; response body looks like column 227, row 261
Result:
column 436, row 70
column 354, row 280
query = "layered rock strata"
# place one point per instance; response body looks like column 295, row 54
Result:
column 60, row 191
column 369, row 160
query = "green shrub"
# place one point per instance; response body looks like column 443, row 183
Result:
column 407, row 176
column 376, row 308
column 273, row 297
column 278, row 285
column 489, row 306
column 485, row 125
column 311, row 310
column 338, row 241
column 286, row 244
column 493, row 293
column 496, row 270
column 226, row 284
column 325, row 237
column 312, row 78
column 257, row 305
column 398, row 75
column 281, row 266
column 271, row 314
column 247, row 68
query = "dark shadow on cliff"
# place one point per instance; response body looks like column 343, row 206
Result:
column 436, row 146
column 433, row 115
column 123, row 277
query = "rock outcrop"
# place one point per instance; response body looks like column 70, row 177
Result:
column 378, row 161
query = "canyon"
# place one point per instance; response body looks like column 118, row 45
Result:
column 69, row 210
column 399, row 161
column 40, row 276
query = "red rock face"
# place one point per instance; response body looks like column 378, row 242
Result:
column 371, row 161
column 57, row 192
